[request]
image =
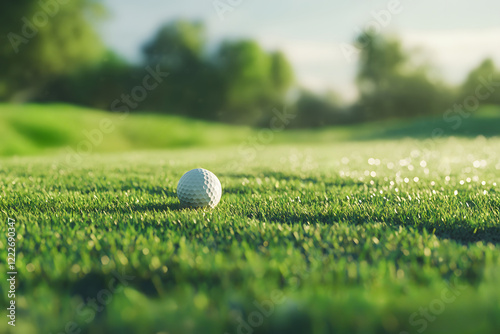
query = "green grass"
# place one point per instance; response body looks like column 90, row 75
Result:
column 353, row 237
column 40, row 129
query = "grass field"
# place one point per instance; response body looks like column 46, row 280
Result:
column 380, row 236
column 48, row 129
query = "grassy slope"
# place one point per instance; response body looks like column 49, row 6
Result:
column 350, row 250
column 36, row 129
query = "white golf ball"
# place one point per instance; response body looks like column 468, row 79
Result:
column 198, row 188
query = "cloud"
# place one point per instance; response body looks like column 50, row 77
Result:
column 456, row 52
column 319, row 65
column 304, row 51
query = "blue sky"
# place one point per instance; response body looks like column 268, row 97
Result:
column 454, row 35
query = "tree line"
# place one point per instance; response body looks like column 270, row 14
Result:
column 50, row 52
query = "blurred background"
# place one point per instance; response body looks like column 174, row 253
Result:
column 328, row 63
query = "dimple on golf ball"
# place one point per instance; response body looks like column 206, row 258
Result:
column 199, row 188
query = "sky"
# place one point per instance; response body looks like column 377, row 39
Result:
column 316, row 35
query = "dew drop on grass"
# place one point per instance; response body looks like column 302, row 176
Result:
column 105, row 260
column 427, row 251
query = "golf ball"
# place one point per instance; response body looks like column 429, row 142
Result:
column 198, row 188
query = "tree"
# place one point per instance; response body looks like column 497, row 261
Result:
column 313, row 110
column 479, row 77
column 235, row 84
column 194, row 86
column 282, row 75
column 177, row 45
column 254, row 80
column 380, row 59
column 95, row 85
column 392, row 85
column 40, row 40
column 245, row 68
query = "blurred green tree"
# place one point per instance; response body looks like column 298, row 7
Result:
column 43, row 39
column 282, row 75
column 380, row 58
column 245, row 68
column 483, row 82
column 235, row 84
column 194, row 86
column 392, row 85
column 313, row 110
column 95, row 85
column 254, row 80
column 177, row 44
